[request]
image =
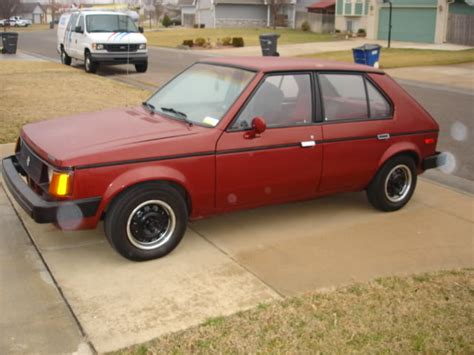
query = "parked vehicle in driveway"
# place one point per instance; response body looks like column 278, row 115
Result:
column 19, row 21
column 101, row 38
column 226, row 134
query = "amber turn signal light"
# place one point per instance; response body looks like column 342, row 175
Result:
column 60, row 184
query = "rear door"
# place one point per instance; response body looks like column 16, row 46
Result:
column 282, row 163
column 356, row 129
column 68, row 36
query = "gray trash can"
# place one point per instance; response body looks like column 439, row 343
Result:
column 269, row 43
column 9, row 41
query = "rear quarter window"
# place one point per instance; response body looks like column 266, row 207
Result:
column 352, row 97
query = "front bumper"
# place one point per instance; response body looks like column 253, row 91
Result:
column 434, row 161
column 41, row 210
column 119, row 58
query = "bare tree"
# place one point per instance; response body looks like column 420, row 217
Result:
column 8, row 8
column 159, row 9
column 275, row 9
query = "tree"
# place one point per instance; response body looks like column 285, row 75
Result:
column 8, row 8
column 159, row 9
column 275, row 9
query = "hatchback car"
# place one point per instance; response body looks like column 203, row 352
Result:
column 223, row 135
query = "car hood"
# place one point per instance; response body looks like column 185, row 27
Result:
column 117, row 37
column 105, row 136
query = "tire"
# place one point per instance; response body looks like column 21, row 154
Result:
column 394, row 184
column 65, row 59
column 142, row 67
column 89, row 65
column 155, row 236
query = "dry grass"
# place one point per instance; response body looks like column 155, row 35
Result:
column 429, row 313
column 398, row 58
column 36, row 90
column 174, row 37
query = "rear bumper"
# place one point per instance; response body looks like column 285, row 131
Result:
column 434, row 161
column 41, row 210
column 119, row 58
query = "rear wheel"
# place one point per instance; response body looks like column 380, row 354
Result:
column 65, row 59
column 142, row 67
column 89, row 65
column 147, row 221
column 394, row 184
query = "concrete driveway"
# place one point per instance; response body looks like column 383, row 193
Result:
column 232, row 262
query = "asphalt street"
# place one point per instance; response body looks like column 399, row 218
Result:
column 452, row 107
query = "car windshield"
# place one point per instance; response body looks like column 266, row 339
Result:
column 110, row 23
column 201, row 94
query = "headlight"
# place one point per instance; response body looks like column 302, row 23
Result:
column 142, row 46
column 97, row 46
column 60, row 182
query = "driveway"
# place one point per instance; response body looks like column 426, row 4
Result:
column 232, row 262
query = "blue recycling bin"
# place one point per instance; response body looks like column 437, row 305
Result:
column 368, row 54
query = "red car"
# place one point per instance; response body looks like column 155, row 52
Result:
column 225, row 134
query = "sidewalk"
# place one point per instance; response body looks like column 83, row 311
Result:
column 457, row 76
column 288, row 50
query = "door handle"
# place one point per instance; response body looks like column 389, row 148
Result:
column 307, row 144
column 383, row 136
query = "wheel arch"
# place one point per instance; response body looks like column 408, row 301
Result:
column 134, row 178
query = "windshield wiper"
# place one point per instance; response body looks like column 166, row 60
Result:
column 149, row 106
column 178, row 113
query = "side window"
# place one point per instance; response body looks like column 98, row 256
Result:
column 80, row 23
column 281, row 100
column 379, row 106
column 343, row 96
column 72, row 23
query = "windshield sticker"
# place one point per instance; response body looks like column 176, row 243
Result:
column 210, row 121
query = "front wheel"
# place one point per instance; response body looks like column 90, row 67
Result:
column 65, row 59
column 147, row 221
column 142, row 67
column 89, row 65
column 394, row 184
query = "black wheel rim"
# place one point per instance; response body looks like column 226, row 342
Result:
column 151, row 224
column 398, row 183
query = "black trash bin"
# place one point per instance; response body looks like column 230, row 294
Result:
column 269, row 43
column 9, row 41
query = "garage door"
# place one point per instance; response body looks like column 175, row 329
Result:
column 409, row 24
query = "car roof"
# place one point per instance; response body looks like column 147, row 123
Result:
column 272, row 64
column 97, row 12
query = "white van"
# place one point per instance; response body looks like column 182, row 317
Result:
column 101, row 37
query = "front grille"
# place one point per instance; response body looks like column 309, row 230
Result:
column 33, row 166
column 121, row 47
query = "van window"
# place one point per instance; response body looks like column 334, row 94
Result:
column 80, row 23
column 110, row 23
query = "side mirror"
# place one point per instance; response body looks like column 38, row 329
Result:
column 140, row 29
column 79, row 29
column 258, row 126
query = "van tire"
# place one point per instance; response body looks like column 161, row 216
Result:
column 89, row 65
column 65, row 59
column 142, row 67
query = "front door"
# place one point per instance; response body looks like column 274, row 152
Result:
column 283, row 162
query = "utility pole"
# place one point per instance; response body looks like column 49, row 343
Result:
column 53, row 13
column 389, row 21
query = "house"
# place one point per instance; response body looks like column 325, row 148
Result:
column 427, row 21
column 319, row 15
column 35, row 12
column 244, row 13
column 188, row 12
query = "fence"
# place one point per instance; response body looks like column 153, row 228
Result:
column 461, row 29
column 321, row 23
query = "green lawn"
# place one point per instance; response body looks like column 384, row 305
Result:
column 174, row 37
column 396, row 58
column 428, row 313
